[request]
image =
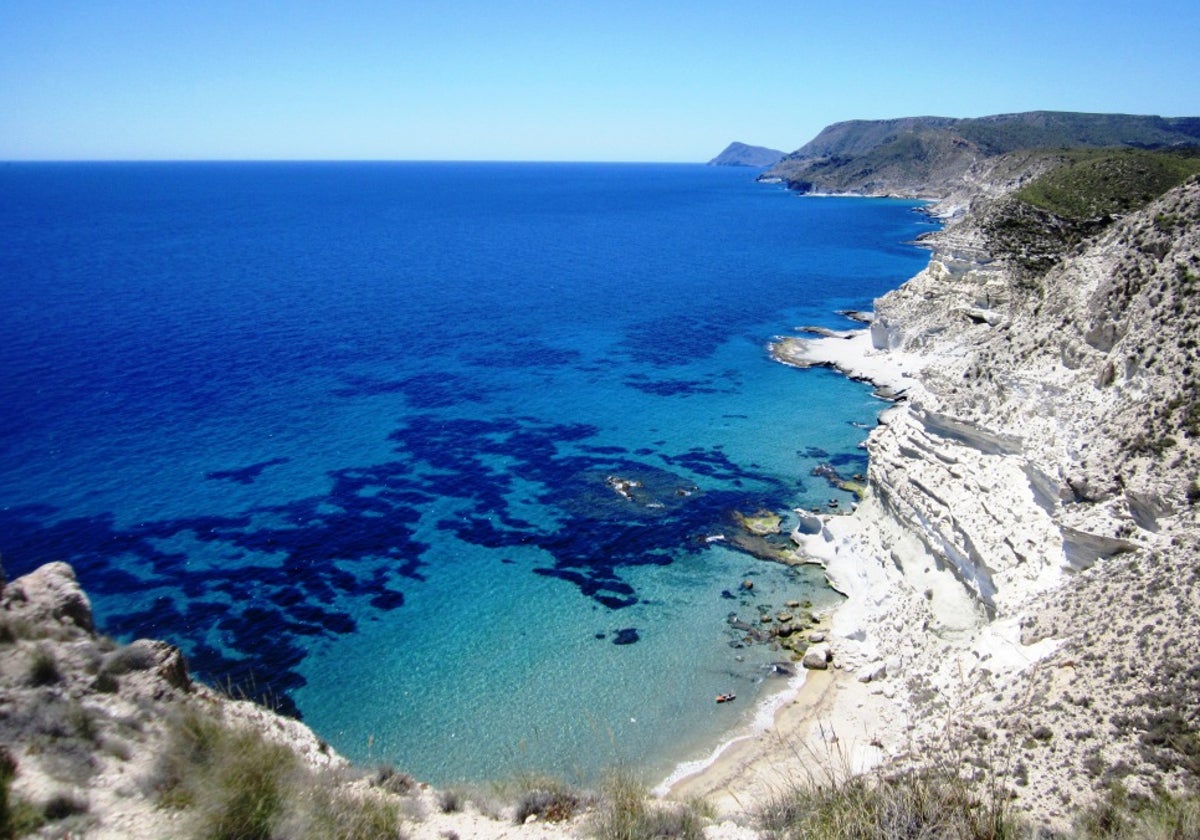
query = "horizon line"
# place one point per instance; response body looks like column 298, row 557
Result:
column 538, row 161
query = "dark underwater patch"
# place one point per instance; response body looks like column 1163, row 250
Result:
column 674, row 340
column 857, row 460
column 315, row 566
column 671, row 387
column 626, row 636
column 245, row 475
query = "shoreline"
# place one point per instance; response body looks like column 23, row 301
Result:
column 826, row 721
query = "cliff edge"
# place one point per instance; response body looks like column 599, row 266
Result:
column 1024, row 572
column 109, row 741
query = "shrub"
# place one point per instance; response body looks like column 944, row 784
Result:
column 393, row 781
column 133, row 657
column 44, row 669
column 237, row 785
column 17, row 817
column 1121, row 817
column 450, row 801
column 548, row 800
column 909, row 804
column 234, row 780
column 8, row 770
column 63, row 805
column 626, row 813
column 331, row 814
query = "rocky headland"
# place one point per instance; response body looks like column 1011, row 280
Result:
column 743, row 154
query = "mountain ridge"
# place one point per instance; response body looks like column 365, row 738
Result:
column 926, row 156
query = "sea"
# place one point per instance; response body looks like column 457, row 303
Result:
column 443, row 458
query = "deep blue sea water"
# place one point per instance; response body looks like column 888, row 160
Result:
column 345, row 433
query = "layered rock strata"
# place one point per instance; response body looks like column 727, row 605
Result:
column 1024, row 570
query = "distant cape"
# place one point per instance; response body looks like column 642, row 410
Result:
column 740, row 154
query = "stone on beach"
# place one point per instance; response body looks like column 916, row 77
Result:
column 817, row 657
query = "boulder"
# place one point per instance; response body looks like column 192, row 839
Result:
column 817, row 657
column 808, row 524
column 49, row 594
column 160, row 658
column 872, row 672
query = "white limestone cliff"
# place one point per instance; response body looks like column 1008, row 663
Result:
column 1047, row 440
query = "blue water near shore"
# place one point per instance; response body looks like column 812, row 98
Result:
column 344, row 433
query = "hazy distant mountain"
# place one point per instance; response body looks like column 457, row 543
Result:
column 926, row 155
column 740, row 154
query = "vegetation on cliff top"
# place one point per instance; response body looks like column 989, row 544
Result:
column 929, row 155
column 1081, row 194
column 1093, row 183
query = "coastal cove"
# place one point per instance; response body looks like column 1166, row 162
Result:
column 1013, row 508
column 348, row 434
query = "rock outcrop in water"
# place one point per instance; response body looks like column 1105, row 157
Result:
column 741, row 154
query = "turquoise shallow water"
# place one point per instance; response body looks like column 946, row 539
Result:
column 343, row 433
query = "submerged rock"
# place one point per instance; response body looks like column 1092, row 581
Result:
column 761, row 523
column 626, row 636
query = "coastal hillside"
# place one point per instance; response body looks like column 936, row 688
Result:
column 116, row 741
column 1025, row 568
column 741, row 154
column 929, row 156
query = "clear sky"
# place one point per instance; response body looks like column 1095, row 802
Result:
column 544, row 80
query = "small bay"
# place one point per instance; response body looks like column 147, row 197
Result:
column 354, row 435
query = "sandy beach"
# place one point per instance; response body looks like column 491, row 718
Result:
column 832, row 724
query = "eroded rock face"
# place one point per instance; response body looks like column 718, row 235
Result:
column 49, row 594
column 1061, row 428
column 163, row 661
column 1052, row 441
column 85, row 719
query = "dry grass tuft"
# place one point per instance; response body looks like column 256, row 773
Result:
column 236, row 785
column 626, row 812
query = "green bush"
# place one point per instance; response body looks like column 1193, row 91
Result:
column 1100, row 182
column 1122, row 817
column 17, row 817
column 236, row 785
column 450, row 801
column 330, row 814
